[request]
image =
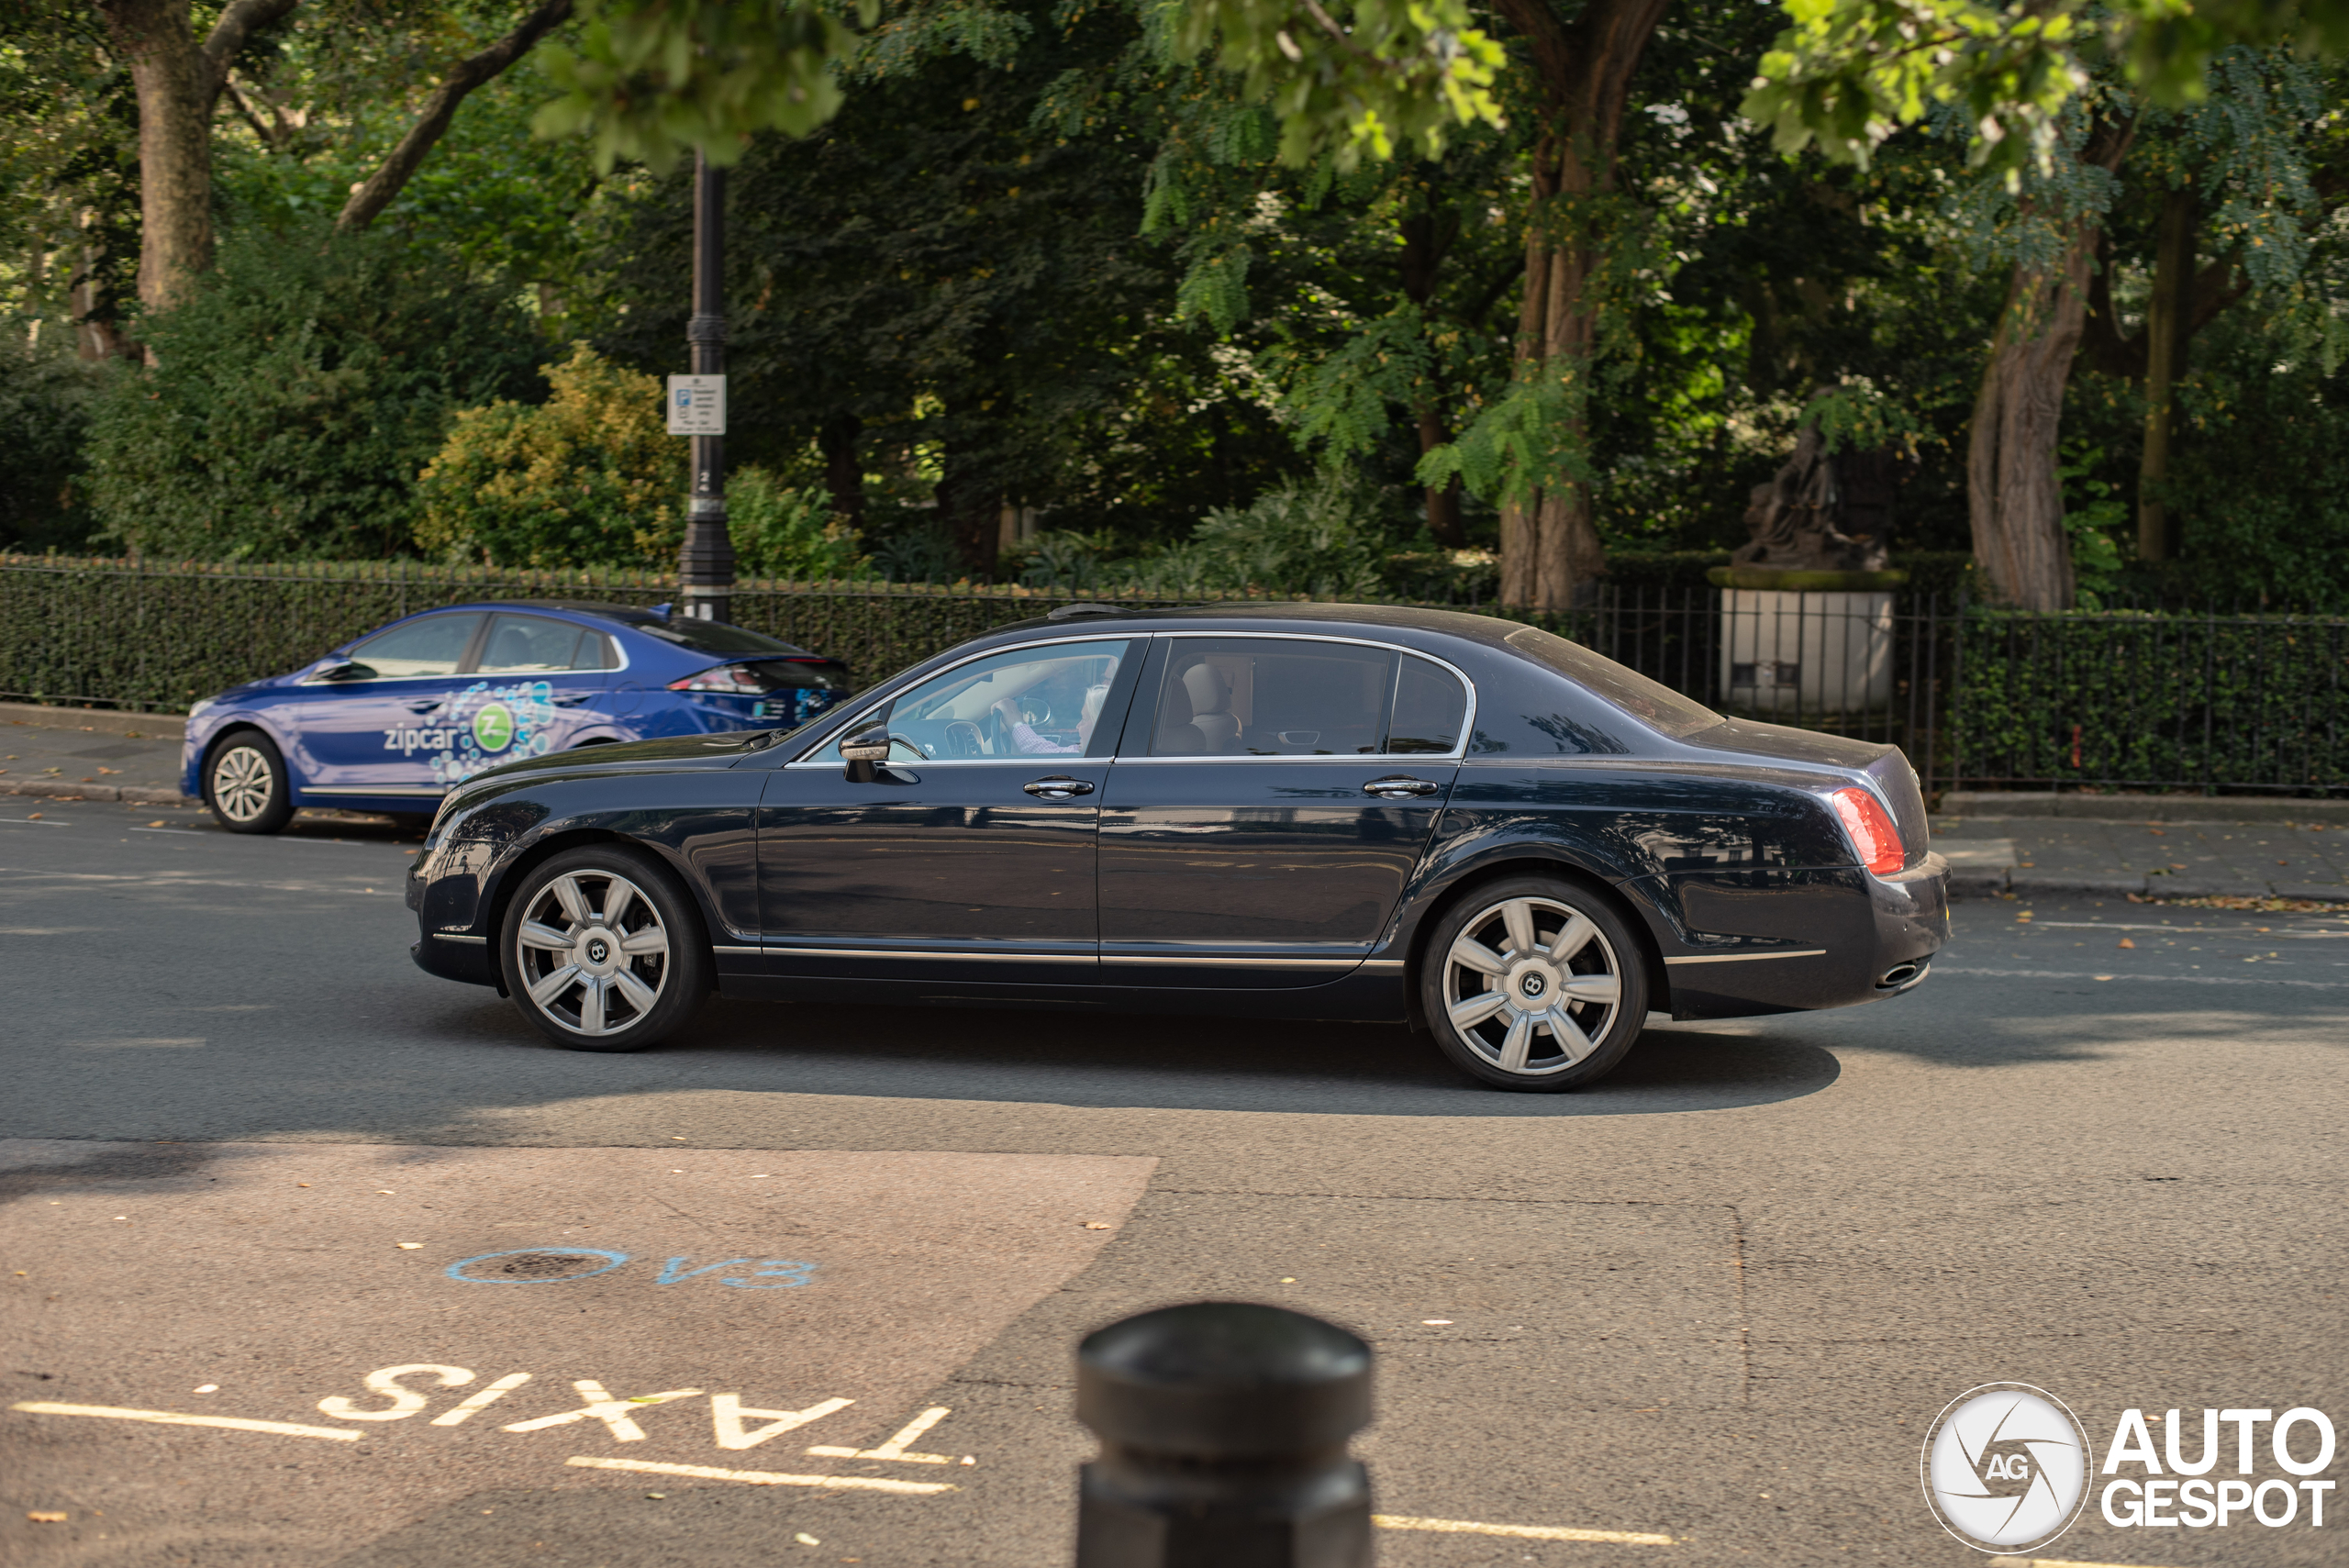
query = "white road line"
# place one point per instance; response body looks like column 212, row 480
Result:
column 174, row 1418
column 2053, row 1563
column 2183, row 979
column 30, row 822
column 769, row 1477
column 1524, row 1532
column 2173, row 930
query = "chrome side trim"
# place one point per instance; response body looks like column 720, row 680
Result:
column 1746, row 957
column 722, row 947
column 1382, row 963
column 1217, row 963
column 475, row 942
column 958, row 954
column 431, row 792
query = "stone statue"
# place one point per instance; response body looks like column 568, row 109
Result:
column 1798, row 518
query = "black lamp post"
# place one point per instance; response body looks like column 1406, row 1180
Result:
column 706, row 564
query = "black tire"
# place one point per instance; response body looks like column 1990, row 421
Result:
column 620, row 995
column 245, row 784
column 1477, row 998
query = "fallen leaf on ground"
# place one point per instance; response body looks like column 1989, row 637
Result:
column 804, row 1539
column 409, row 1246
column 157, row 823
column 2104, row 977
column 209, row 1388
column 1436, row 1322
column 40, row 1518
column 1097, row 1225
column 2126, row 943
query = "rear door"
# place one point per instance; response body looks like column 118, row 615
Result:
column 537, row 684
column 1271, row 798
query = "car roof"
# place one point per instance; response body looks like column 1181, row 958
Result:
column 1261, row 615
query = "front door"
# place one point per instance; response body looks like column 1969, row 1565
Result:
column 376, row 732
column 970, row 857
column 1270, row 799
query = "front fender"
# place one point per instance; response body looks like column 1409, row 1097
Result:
column 200, row 733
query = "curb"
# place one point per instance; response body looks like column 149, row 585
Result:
column 1976, row 883
column 137, row 794
column 104, row 720
column 2015, row 803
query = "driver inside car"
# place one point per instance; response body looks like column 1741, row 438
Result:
column 1024, row 736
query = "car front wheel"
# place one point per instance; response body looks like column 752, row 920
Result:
column 245, row 784
column 602, row 950
column 1533, row 983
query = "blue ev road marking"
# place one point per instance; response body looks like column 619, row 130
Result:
column 766, row 1274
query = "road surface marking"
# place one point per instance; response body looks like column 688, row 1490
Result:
column 613, row 1413
column 1526, row 1532
column 769, row 1477
column 896, row 1447
column 462, row 1413
column 727, row 1410
column 2051, row 1562
column 174, row 1418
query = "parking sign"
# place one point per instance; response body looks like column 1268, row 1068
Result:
column 696, row 405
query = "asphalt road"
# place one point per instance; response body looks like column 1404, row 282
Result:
column 253, row 1157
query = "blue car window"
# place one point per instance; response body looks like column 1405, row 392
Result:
column 1022, row 702
column 1431, row 706
column 533, row 644
column 1272, row 697
column 433, row 645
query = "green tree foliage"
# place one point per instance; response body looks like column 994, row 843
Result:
column 296, row 396
column 781, row 531
column 590, row 477
column 46, row 397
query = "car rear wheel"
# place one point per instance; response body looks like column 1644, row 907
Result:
column 602, row 950
column 1533, row 983
column 245, row 784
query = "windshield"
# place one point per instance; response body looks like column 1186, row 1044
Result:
column 1658, row 707
column 713, row 636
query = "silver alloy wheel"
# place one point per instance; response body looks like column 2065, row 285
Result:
column 243, row 783
column 1527, row 968
column 592, row 953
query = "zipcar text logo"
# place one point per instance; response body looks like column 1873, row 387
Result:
column 2006, row 1467
column 2158, row 1497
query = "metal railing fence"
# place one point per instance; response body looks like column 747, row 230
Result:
column 1975, row 696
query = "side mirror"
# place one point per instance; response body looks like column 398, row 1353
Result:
column 865, row 750
column 344, row 669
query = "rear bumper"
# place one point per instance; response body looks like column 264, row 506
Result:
column 466, row 960
column 1799, row 941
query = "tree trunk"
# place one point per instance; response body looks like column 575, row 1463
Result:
column 843, row 468
column 1550, row 555
column 972, row 508
column 377, row 191
column 1444, row 503
column 2168, row 325
column 174, row 81
column 1428, row 236
column 2013, row 499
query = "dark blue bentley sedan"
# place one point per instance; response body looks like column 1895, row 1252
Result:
column 1305, row 810
column 393, row 720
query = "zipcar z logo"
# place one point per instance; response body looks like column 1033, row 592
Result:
column 2006, row 1467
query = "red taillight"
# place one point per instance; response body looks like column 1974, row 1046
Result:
column 1870, row 830
column 735, row 678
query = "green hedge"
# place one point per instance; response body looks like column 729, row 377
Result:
column 2144, row 700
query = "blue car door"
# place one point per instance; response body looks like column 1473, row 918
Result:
column 536, row 684
column 382, row 729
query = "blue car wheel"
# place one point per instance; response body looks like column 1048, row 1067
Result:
column 245, row 784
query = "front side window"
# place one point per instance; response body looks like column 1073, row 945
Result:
column 1022, row 702
column 434, row 645
column 533, row 644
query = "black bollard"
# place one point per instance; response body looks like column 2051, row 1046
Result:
column 1223, row 1429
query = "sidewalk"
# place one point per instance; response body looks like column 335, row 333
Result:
column 90, row 754
column 2213, row 852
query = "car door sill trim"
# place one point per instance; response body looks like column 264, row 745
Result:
column 1746, row 957
column 958, row 954
column 1217, row 961
column 376, row 791
column 476, row 941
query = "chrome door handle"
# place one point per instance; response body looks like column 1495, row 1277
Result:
column 1057, row 788
column 575, row 702
column 421, row 707
column 1398, row 788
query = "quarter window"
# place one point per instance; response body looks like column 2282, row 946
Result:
column 534, row 645
column 1430, row 707
column 434, row 645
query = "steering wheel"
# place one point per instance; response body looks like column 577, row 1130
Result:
column 963, row 739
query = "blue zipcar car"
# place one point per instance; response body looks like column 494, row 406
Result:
column 392, row 721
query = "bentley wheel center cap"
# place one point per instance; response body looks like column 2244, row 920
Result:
column 597, row 950
column 1532, row 985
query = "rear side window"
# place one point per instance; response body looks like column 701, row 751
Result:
column 1658, row 707
column 1430, row 708
column 533, row 644
column 1271, row 697
column 434, row 645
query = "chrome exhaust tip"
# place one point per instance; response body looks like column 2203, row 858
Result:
column 1899, row 974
